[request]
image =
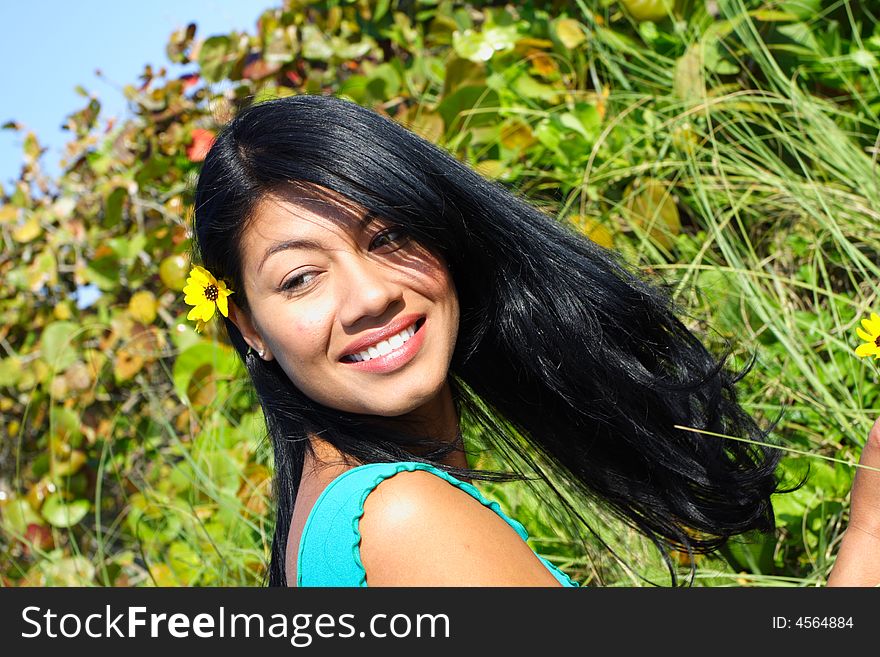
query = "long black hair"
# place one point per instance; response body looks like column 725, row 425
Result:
column 564, row 356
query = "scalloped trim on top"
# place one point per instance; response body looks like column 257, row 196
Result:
column 410, row 466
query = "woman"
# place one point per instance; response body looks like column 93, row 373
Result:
column 385, row 295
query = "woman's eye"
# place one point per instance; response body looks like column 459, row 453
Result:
column 299, row 281
column 393, row 236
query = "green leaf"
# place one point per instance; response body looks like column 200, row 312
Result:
column 802, row 35
column 104, row 272
column 573, row 123
column 345, row 50
column 16, row 515
column 173, row 271
column 155, row 523
column 803, row 9
column 462, row 73
column 481, row 46
column 589, row 118
column 466, row 99
column 548, row 134
column 500, row 38
column 129, row 247
column 714, row 62
column 208, row 361
column 222, row 470
column 618, row 40
column 32, row 146
column 43, row 272
column 314, row 44
column 66, row 423
column 69, row 571
column 55, row 344
column 773, row 16
column 355, row 88
column 528, row 87
column 864, row 58
column 113, row 206
column 152, row 170
column 470, row 45
column 185, row 562
column 570, row 33
column 10, row 371
column 215, row 58
column 384, row 82
column 688, row 82
column 59, row 513
column 380, row 8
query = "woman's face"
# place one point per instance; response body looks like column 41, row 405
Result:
column 357, row 314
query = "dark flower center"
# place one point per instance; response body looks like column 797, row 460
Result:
column 877, row 341
column 211, row 292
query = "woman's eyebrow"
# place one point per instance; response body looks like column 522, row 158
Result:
column 308, row 244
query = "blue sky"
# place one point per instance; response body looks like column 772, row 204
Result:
column 51, row 46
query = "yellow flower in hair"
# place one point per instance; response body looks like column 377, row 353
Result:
column 205, row 293
column 871, row 336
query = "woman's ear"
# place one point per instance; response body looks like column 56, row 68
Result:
column 248, row 331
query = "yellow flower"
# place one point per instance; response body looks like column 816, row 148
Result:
column 205, row 293
column 871, row 336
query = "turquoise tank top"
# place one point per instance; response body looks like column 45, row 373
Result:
column 329, row 549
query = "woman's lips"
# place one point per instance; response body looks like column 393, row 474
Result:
column 396, row 358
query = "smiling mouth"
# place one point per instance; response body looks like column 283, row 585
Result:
column 385, row 347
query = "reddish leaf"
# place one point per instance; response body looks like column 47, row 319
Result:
column 202, row 141
column 190, row 80
column 258, row 68
column 37, row 537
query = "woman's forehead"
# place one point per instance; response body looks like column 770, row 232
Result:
column 292, row 211
column 300, row 214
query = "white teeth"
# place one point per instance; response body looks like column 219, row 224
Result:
column 385, row 346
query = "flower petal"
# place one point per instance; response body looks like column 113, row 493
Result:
column 223, row 305
column 867, row 349
column 192, row 287
column 873, row 324
column 194, row 313
column 207, row 310
column 201, row 275
column 864, row 335
column 195, row 298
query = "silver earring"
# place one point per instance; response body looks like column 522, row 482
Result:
column 260, row 352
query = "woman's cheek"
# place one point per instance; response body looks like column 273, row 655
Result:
column 308, row 336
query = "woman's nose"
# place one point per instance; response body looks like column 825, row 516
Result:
column 368, row 290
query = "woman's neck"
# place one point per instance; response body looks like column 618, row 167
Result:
column 438, row 419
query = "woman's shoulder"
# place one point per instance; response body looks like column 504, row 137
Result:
column 423, row 527
column 324, row 536
column 413, row 524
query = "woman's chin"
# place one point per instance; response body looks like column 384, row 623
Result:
column 399, row 404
